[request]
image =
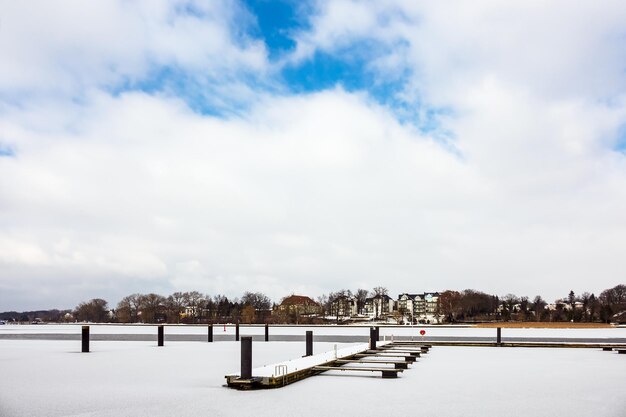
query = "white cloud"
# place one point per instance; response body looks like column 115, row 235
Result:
column 555, row 49
column 68, row 46
column 296, row 198
column 288, row 193
column 310, row 193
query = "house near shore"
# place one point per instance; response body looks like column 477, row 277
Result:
column 298, row 306
column 408, row 308
column 379, row 306
column 407, row 304
column 564, row 305
column 619, row 318
column 419, row 308
column 344, row 306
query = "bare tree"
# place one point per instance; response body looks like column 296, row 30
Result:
column 223, row 306
column 94, row 310
column 123, row 312
column 449, row 305
column 539, row 307
column 509, row 303
column 615, row 296
column 399, row 315
column 257, row 300
column 128, row 309
column 612, row 300
column 584, row 299
column 523, row 302
column 380, row 291
column 194, row 302
column 361, row 296
column 152, row 308
column 175, row 305
column 324, row 303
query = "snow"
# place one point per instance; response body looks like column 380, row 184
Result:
column 297, row 364
column 51, row 378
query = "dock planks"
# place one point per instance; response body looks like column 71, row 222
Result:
column 386, row 372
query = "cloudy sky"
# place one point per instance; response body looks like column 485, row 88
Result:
column 284, row 146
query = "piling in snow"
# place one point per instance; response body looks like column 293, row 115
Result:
column 160, row 336
column 85, row 339
column 246, row 357
column 309, row 343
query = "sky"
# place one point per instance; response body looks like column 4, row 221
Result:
column 307, row 147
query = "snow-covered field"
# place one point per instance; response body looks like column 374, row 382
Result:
column 51, row 378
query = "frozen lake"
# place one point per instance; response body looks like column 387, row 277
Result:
column 51, row 378
column 321, row 333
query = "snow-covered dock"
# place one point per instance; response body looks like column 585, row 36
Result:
column 351, row 358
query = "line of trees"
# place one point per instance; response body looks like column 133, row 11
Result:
column 471, row 305
column 195, row 307
column 43, row 316
column 192, row 307
column 255, row 307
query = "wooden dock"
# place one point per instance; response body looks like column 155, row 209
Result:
column 388, row 358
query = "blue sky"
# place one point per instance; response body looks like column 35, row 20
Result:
column 277, row 24
column 304, row 147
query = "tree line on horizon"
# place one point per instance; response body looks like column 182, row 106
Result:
column 471, row 305
column 255, row 307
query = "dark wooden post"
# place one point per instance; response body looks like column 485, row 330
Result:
column 210, row 335
column 237, row 332
column 372, row 338
column 160, row 336
column 499, row 337
column 246, row 357
column 377, row 334
column 85, row 339
column 309, row 343
column 267, row 332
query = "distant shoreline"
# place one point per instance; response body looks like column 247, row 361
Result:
column 546, row 325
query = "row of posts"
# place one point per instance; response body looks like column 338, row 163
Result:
column 374, row 337
column 161, row 335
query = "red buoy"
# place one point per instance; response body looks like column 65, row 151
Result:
column 422, row 332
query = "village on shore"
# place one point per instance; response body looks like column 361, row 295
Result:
column 342, row 307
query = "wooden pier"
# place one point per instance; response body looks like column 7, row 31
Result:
column 388, row 358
